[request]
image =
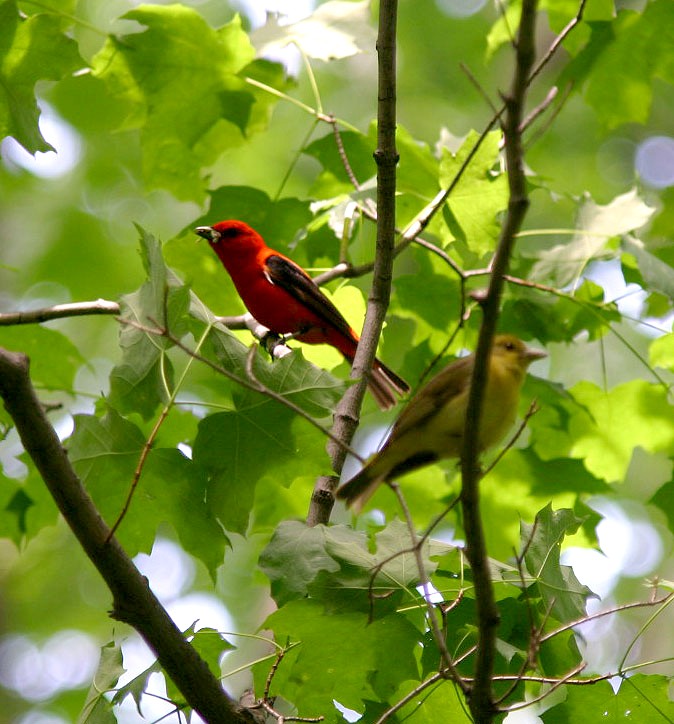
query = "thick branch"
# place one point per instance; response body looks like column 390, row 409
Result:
column 133, row 601
column 481, row 701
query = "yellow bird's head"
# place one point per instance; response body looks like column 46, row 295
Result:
column 513, row 354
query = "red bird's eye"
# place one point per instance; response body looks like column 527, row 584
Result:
column 230, row 232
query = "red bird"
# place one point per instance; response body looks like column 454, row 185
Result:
column 284, row 298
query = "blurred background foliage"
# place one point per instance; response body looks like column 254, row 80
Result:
column 169, row 116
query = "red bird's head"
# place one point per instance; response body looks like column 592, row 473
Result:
column 230, row 232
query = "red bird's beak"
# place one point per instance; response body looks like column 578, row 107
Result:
column 208, row 233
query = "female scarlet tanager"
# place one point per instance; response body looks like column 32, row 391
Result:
column 284, row 298
column 431, row 426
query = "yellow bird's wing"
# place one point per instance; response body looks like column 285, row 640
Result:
column 433, row 397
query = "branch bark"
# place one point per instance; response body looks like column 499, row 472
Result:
column 481, row 700
column 133, row 601
column 386, row 157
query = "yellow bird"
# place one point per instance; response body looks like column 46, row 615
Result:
column 431, row 426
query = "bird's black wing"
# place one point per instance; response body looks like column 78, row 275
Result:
column 294, row 280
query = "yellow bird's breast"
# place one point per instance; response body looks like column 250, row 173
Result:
column 499, row 408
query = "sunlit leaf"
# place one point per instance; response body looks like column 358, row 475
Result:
column 31, row 49
column 632, row 414
column 620, row 87
column 661, row 352
column 656, row 274
column 179, row 83
column 596, row 226
column 336, row 29
column 478, row 197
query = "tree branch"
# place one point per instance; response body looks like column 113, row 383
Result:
column 97, row 307
column 386, row 157
column 133, row 601
column 59, row 311
column 481, row 701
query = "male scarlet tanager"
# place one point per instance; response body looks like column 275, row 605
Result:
column 284, row 298
column 431, row 425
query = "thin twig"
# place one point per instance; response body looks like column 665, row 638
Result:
column 425, row 583
column 344, row 158
column 609, row 612
column 549, row 54
column 554, row 685
column 138, row 471
column 539, row 109
column 433, row 679
column 272, row 671
column 476, row 83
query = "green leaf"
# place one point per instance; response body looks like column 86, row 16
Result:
column 26, row 507
column 661, row 352
column 504, row 28
column 433, row 297
column 211, row 645
column 620, row 87
column 521, row 484
column 105, row 454
column 143, row 379
column 480, row 195
column 418, row 172
column 31, row 49
column 179, row 82
column 309, row 387
column 336, row 29
column 596, row 226
column 341, row 657
column 336, row 565
column 176, row 490
column 18, row 506
column 54, row 359
column 632, row 414
column 136, row 687
column 358, row 150
column 655, row 273
column 563, row 595
column 641, row 698
column 97, row 709
column 239, row 448
column 441, row 703
column 528, row 313
column 294, row 557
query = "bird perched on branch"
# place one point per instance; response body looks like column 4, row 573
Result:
column 284, row 298
column 431, row 426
